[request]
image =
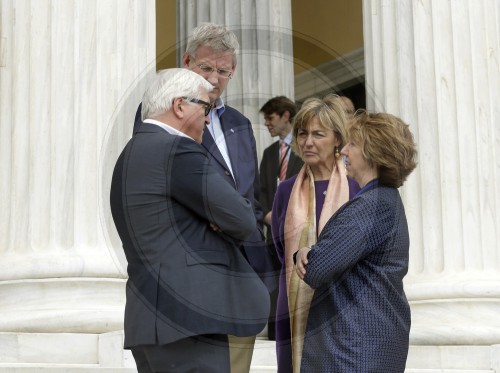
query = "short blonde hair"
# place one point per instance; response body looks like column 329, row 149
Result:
column 386, row 143
column 215, row 36
column 330, row 113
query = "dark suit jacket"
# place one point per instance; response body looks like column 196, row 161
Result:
column 184, row 278
column 269, row 172
column 242, row 151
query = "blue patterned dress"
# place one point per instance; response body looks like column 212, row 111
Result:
column 359, row 320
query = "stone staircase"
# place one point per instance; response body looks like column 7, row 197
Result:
column 103, row 353
column 82, row 353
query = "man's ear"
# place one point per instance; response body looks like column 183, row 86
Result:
column 186, row 59
column 286, row 116
column 177, row 108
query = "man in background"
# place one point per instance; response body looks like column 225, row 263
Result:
column 347, row 105
column 278, row 163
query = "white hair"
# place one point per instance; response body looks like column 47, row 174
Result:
column 168, row 85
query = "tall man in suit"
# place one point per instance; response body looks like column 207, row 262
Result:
column 181, row 225
column 230, row 144
column 278, row 163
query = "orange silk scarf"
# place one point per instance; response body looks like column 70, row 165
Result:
column 300, row 231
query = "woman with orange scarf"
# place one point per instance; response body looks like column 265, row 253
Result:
column 302, row 206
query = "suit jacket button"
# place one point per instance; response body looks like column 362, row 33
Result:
column 227, row 173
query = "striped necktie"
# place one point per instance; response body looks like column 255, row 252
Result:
column 283, row 159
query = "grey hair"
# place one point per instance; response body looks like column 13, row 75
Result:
column 167, row 86
column 215, row 36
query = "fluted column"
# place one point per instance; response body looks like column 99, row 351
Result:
column 436, row 64
column 71, row 75
column 265, row 58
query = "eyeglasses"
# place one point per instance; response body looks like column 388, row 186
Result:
column 207, row 106
column 207, row 69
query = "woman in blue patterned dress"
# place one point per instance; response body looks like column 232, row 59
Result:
column 359, row 318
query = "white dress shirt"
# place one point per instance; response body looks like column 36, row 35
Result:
column 215, row 130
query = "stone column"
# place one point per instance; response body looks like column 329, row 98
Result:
column 265, row 58
column 71, row 76
column 436, row 65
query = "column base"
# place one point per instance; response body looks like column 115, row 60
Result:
column 453, row 359
column 62, row 305
column 455, row 309
column 64, row 352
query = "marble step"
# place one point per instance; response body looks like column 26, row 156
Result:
column 79, row 353
column 447, row 371
column 90, row 368
column 60, row 368
column 264, row 357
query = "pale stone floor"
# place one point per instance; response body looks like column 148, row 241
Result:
column 264, row 356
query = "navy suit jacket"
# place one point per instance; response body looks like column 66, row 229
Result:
column 184, row 278
column 242, row 151
column 269, row 172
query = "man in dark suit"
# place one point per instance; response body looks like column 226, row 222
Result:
column 181, row 225
column 230, row 144
column 278, row 163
